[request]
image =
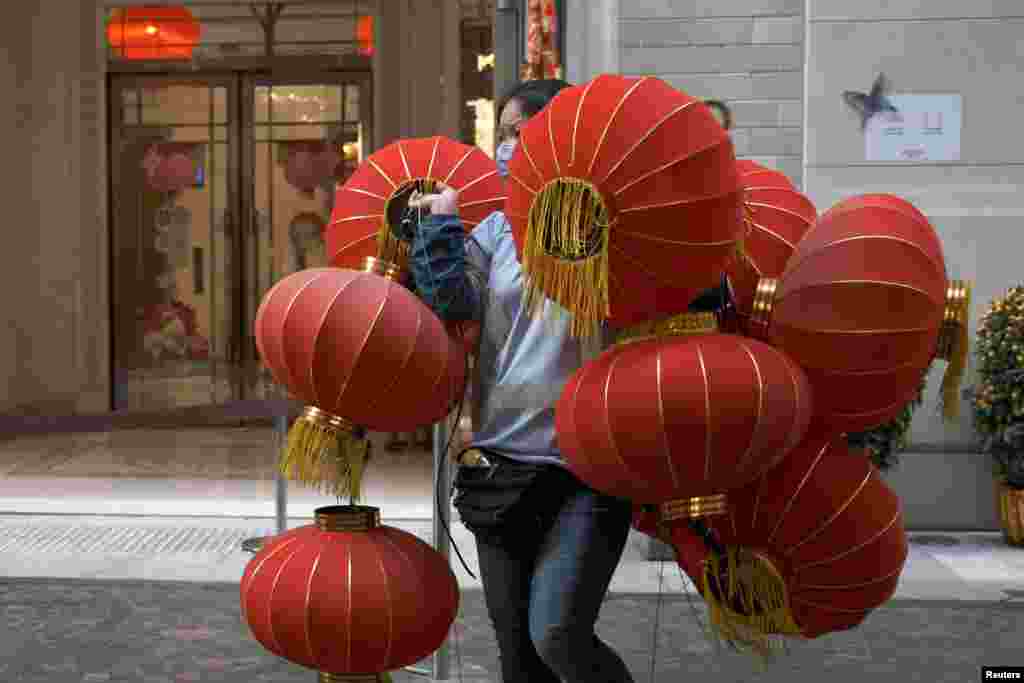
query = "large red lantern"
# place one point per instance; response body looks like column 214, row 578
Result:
column 777, row 216
column 168, row 32
column 624, row 201
column 812, row 547
column 861, row 307
column 680, row 421
column 368, row 207
column 349, row 597
column 364, row 354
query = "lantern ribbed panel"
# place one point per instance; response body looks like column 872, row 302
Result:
column 362, row 347
column 860, row 306
column 778, row 217
column 828, row 523
column 674, row 418
column 349, row 602
column 664, row 170
column 361, row 205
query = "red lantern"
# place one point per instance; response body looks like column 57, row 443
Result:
column 364, row 35
column 349, row 597
column 624, row 201
column 310, row 164
column 860, row 307
column 169, row 166
column 368, row 207
column 153, row 32
column 364, row 353
column 777, row 219
column 753, row 174
column 813, row 546
column 681, row 421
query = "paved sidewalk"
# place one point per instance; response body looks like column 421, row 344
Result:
column 79, row 631
column 943, row 567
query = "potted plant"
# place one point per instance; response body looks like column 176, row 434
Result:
column 998, row 404
column 884, row 443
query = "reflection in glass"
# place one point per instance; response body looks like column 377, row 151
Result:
column 169, row 182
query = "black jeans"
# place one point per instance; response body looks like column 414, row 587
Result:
column 544, row 593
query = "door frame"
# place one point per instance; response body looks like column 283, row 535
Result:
column 240, row 84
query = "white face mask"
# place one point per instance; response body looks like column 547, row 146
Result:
column 503, row 155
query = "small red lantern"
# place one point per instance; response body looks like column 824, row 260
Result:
column 863, row 306
column 777, row 218
column 624, row 201
column 364, row 35
column 160, row 32
column 364, row 354
column 812, row 547
column 680, row 421
column 349, row 597
column 169, row 166
column 310, row 165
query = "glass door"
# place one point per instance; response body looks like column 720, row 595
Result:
column 302, row 138
column 173, row 203
column 220, row 187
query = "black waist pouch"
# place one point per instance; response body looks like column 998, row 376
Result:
column 507, row 499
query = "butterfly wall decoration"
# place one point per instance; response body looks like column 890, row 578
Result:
column 871, row 103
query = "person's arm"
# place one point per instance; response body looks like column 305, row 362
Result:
column 450, row 270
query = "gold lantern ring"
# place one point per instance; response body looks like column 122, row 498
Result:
column 325, row 677
column 329, row 422
column 954, row 316
column 347, row 518
column 680, row 325
column 386, row 269
column 953, row 345
column 764, row 305
column 694, row 507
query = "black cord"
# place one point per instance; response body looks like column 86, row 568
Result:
column 437, row 477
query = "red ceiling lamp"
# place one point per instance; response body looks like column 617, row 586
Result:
column 364, row 35
column 146, row 32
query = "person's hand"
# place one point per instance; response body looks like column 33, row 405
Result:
column 444, row 204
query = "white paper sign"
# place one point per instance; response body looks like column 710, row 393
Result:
column 923, row 128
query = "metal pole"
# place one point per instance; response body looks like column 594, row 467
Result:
column 253, row 545
column 442, row 522
column 280, row 483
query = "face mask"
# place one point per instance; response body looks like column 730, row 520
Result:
column 503, row 155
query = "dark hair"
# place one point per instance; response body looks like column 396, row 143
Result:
column 532, row 95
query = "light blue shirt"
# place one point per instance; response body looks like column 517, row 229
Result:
column 523, row 361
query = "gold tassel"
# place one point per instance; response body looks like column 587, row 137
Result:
column 759, row 591
column 566, row 253
column 953, row 345
column 326, row 452
column 389, row 247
